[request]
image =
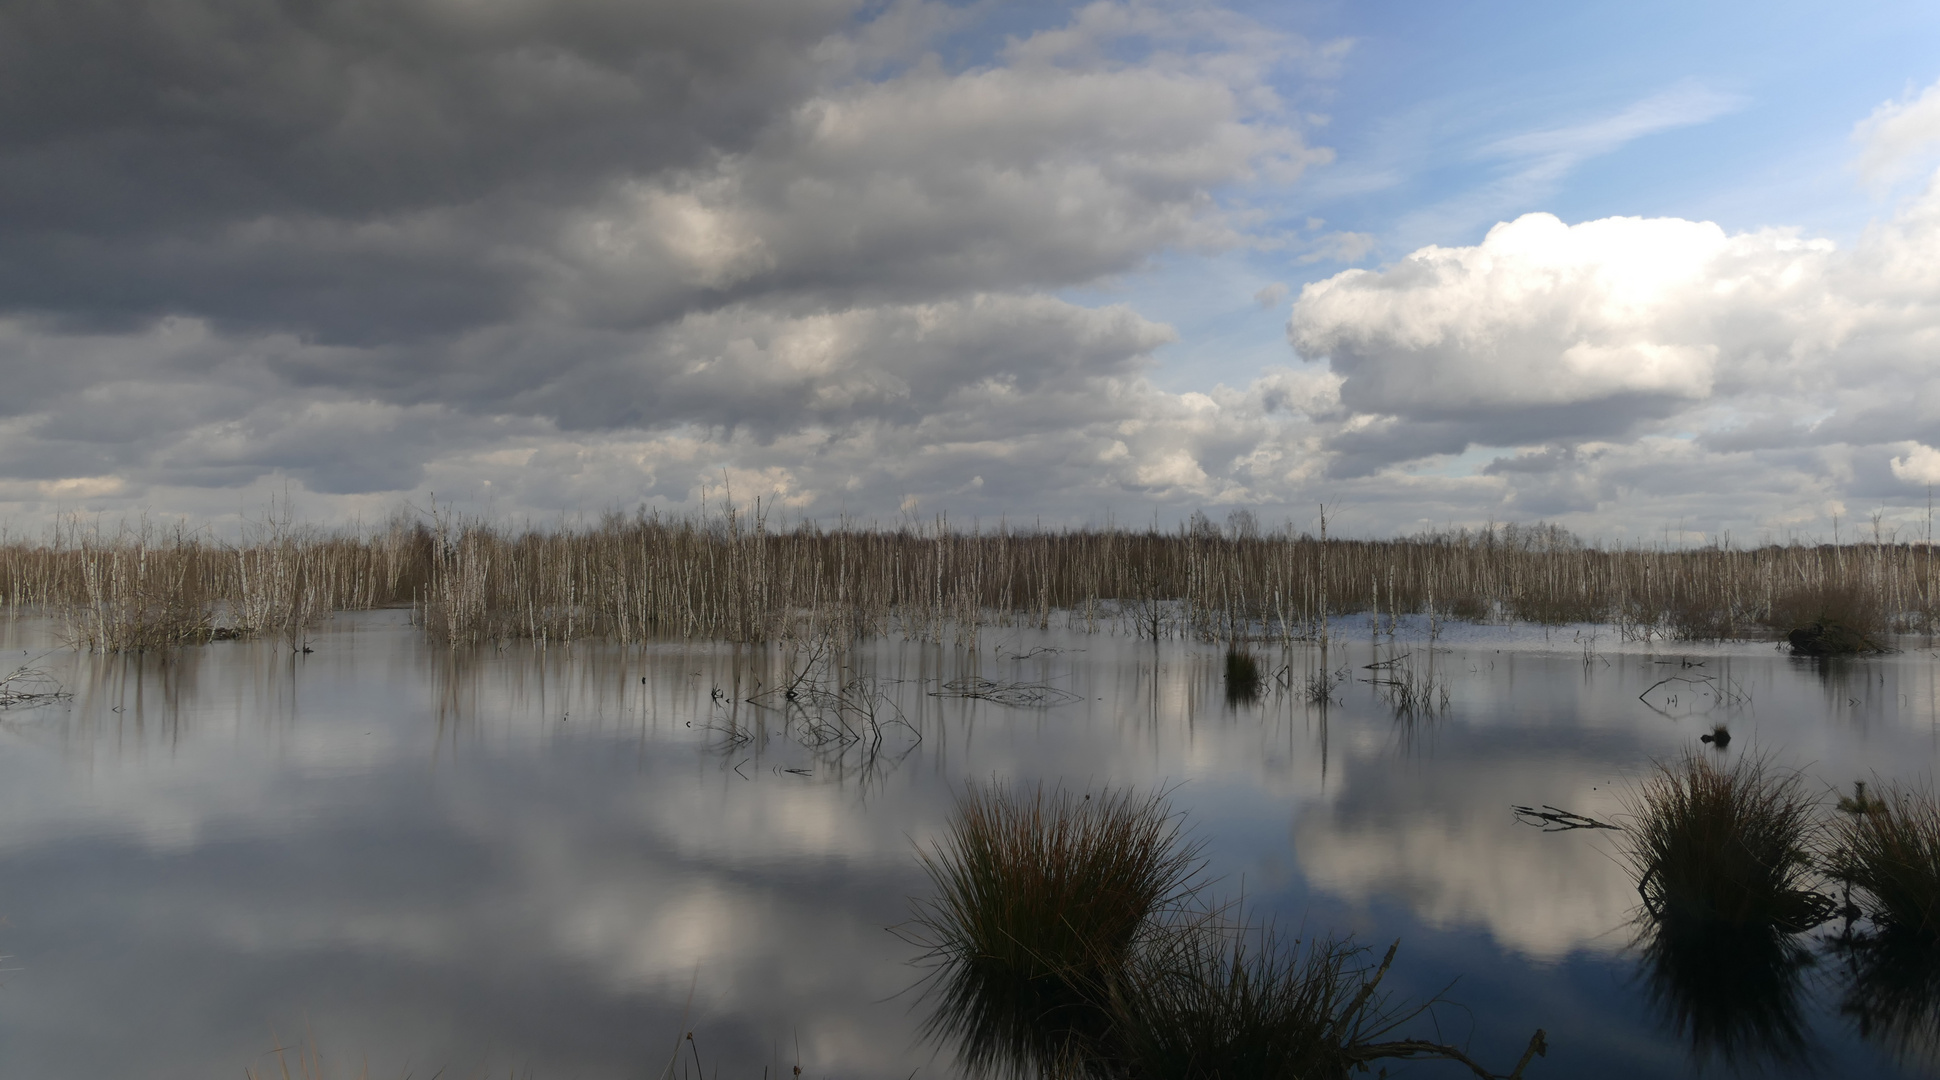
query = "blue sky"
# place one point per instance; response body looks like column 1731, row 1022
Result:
column 1447, row 118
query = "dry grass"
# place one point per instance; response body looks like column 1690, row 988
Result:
column 1725, row 862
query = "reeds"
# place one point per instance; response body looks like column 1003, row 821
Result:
column 1722, row 846
column 1889, row 848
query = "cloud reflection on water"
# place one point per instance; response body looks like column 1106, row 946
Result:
column 530, row 857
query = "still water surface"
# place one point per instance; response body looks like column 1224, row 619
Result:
column 543, row 860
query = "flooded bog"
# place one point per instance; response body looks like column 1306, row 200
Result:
column 556, row 861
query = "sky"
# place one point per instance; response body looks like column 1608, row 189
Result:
column 1652, row 271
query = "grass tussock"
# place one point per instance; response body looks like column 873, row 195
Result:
column 1889, row 848
column 1067, row 939
column 1726, row 858
column 1724, row 845
column 1220, row 1002
column 1838, row 601
column 1243, row 678
column 1040, row 900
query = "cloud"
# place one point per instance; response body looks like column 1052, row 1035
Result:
column 1898, row 137
column 1547, row 155
column 363, row 174
column 1529, row 167
column 1544, row 318
column 1640, row 362
column 371, row 248
column 1921, row 465
column 553, row 257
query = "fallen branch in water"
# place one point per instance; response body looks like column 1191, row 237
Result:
column 29, row 686
column 1022, row 695
column 1551, row 819
column 1422, row 1050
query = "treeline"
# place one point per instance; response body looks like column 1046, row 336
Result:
column 733, row 577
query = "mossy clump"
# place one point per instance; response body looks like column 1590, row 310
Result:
column 1825, row 637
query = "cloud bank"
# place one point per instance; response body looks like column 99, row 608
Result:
column 1760, row 379
column 561, row 256
column 550, row 258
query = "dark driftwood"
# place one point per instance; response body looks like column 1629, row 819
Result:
column 1021, row 695
column 1551, row 819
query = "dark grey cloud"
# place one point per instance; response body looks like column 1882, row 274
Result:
column 369, row 247
column 353, row 169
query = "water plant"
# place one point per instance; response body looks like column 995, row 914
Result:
column 1889, row 848
column 1242, row 676
column 1725, row 846
column 1041, row 898
column 1067, row 939
column 1725, row 863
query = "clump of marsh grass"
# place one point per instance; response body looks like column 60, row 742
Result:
column 1040, row 900
column 1726, row 846
column 1724, row 863
column 1242, row 677
column 1069, row 940
column 1209, row 1003
column 1890, row 849
column 1214, row 1000
column 1833, row 601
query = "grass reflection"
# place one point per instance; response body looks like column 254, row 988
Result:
column 1892, row 993
column 1724, row 861
column 1888, row 848
column 1734, row 991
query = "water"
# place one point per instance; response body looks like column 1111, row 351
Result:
column 533, row 860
